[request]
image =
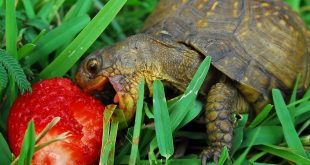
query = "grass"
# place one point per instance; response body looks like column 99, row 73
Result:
column 46, row 32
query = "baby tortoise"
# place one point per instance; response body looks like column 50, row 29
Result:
column 256, row 45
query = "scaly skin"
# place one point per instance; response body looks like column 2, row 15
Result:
column 219, row 123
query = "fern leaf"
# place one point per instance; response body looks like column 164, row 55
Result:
column 15, row 70
column 3, row 78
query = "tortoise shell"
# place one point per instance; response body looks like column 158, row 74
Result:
column 261, row 44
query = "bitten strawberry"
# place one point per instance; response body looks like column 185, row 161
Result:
column 81, row 115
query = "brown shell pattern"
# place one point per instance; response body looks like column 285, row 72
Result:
column 262, row 44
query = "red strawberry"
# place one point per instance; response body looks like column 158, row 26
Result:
column 81, row 115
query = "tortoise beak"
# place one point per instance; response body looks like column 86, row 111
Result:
column 90, row 86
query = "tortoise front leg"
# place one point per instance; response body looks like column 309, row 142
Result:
column 223, row 99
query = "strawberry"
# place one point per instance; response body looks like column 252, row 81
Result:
column 81, row 116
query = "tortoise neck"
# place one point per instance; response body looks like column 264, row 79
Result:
column 174, row 62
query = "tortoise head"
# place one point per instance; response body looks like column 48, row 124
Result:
column 122, row 66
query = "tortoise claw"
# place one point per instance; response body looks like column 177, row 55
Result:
column 210, row 153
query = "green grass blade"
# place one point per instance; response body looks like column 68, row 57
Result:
column 45, row 10
column 285, row 153
column 11, row 94
column 105, row 147
column 27, row 149
column 11, row 28
column 83, row 41
column 268, row 135
column 294, row 93
column 29, row 9
column 5, row 157
column 57, row 38
column 162, row 121
column 293, row 98
column 242, row 157
column 81, row 7
column 119, row 116
column 38, row 37
column 257, row 156
column 306, row 141
column 151, row 153
column 224, row 155
column 147, row 111
column 193, row 161
column 25, row 50
column 122, row 152
column 295, row 4
column 261, row 116
column 193, row 113
column 303, row 107
column 173, row 101
column 181, row 108
column 289, row 131
column 3, row 78
column 307, row 94
column 15, row 70
column 238, row 133
column 112, row 139
column 300, row 101
column 57, row 4
column 304, row 126
column 147, row 134
column 38, row 24
column 114, row 24
column 137, row 126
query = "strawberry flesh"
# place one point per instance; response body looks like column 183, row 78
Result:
column 81, row 115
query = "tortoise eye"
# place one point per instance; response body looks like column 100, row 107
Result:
column 92, row 66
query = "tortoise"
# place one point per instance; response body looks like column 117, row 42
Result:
column 255, row 45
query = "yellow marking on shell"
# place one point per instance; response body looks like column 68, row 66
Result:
column 174, row 7
column 286, row 16
column 276, row 13
column 267, row 14
column 273, row 28
column 235, row 12
column 225, row 62
column 236, row 4
column 214, row 5
column 285, row 7
column 201, row 24
column 308, row 32
column 257, row 16
column 200, row 6
column 184, row 1
column 282, row 22
column 259, row 25
column 264, row 4
column 205, row 1
column 243, row 33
